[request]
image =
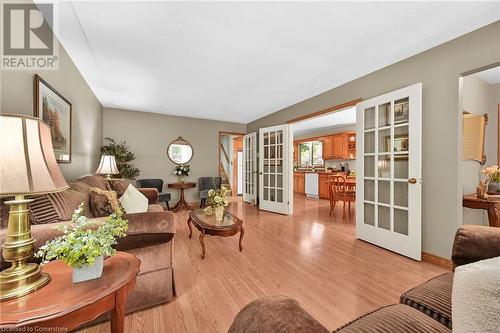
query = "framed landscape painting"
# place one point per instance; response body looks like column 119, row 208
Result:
column 55, row 110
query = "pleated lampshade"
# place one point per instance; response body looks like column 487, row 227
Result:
column 28, row 164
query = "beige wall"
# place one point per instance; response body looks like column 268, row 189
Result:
column 16, row 96
column 439, row 70
column 149, row 134
column 479, row 97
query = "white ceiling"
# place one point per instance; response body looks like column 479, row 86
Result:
column 492, row 75
column 238, row 61
column 329, row 121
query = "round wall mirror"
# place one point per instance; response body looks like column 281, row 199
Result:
column 180, row 151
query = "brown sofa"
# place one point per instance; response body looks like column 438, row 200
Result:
column 149, row 237
column 425, row 308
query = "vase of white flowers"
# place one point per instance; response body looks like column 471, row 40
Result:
column 217, row 200
column 83, row 246
column 181, row 171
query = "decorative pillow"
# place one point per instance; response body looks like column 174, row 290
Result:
column 103, row 203
column 42, row 211
column 118, row 185
column 476, row 297
column 134, row 201
column 67, row 201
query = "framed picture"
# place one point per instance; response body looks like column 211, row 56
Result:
column 401, row 144
column 55, row 111
column 401, row 112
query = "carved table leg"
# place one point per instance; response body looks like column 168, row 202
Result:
column 190, row 230
column 494, row 215
column 242, row 233
column 118, row 313
column 202, row 236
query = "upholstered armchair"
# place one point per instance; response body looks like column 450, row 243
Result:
column 205, row 184
column 158, row 184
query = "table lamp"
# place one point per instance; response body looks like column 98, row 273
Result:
column 107, row 166
column 27, row 167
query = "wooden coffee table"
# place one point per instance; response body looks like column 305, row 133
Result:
column 207, row 225
column 62, row 305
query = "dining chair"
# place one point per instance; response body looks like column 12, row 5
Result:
column 205, row 184
column 339, row 190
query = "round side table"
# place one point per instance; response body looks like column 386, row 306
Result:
column 182, row 200
column 63, row 305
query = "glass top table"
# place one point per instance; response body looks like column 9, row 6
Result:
column 207, row 225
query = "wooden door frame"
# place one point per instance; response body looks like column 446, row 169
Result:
column 235, row 163
column 220, row 135
column 331, row 109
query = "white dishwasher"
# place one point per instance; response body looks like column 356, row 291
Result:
column 312, row 184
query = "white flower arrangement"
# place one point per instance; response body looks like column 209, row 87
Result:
column 216, row 198
column 182, row 170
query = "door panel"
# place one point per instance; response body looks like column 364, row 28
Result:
column 389, row 162
column 275, row 169
column 250, row 168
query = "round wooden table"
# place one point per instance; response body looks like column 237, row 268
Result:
column 62, row 305
column 182, row 200
column 207, row 225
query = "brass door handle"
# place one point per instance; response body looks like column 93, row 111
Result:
column 412, row 181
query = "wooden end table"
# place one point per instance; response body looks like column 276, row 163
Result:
column 182, row 200
column 63, row 305
column 207, row 225
column 492, row 205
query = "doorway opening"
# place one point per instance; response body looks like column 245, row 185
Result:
column 479, row 111
column 325, row 146
column 230, row 162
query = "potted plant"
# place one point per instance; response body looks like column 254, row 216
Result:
column 181, row 171
column 493, row 173
column 83, row 246
column 123, row 156
column 217, row 200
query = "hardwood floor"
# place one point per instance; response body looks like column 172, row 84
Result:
column 310, row 256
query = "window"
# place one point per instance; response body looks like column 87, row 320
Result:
column 311, row 153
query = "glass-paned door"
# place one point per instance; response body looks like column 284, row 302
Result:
column 250, row 168
column 389, row 162
column 275, row 169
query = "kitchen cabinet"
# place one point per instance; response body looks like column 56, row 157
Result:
column 323, row 186
column 299, row 182
column 341, row 146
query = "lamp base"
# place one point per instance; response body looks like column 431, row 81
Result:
column 19, row 281
column 21, row 278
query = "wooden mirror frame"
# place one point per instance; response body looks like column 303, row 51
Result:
column 180, row 140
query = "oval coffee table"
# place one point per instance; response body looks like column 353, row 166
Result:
column 62, row 305
column 207, row 225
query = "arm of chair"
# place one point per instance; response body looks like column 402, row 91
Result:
column 473, row 243
column 277, row 314
column 151, row 194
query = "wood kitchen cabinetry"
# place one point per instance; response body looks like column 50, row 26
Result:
column 299, row 182
column 323, row 185
column 341, row 146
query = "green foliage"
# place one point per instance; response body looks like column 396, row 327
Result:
column 123, row 157
column 81, row 244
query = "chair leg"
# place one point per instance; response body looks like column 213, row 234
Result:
column 168, row 207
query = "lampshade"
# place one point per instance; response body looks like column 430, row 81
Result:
column 27, row 161
column 107, row 165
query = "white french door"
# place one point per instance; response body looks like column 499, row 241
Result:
column 389, row 165
column 275, row 169
column 250, row 168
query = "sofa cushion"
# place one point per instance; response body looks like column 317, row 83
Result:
column 432, row 298
column 397, row 318
column 103, row 203
column 67, row 201
column 277, row 314
column 95, row 181
column 118, row 185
